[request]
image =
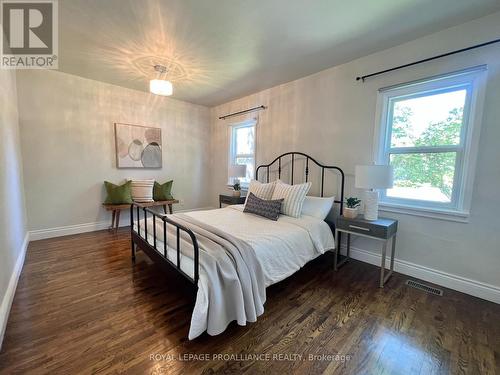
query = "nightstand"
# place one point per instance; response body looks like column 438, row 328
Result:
column 382, row 229
column 230, row 199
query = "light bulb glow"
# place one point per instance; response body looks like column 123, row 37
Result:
column 161, row 87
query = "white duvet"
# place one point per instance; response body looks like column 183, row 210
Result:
column 282, row 247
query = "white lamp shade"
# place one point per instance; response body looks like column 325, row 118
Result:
column 374, row 176
column 161, row 87
column 238, row 170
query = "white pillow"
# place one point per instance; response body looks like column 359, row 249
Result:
column 293, row 196
column 317, row 206
column 142, row 190
column 260, row 190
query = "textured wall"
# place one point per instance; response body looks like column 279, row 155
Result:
column 332, row 117
column 68, row 145
column 12, row 210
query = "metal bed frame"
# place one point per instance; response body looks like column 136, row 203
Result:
column 153, row 251
column 139, row 235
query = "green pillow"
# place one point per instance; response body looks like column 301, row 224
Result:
column 118, row 194
column 163, row 192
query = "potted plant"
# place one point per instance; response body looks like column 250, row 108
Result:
column 351, row 211
column 236, row 189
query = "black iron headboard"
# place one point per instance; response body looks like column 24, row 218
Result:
column 307, row 159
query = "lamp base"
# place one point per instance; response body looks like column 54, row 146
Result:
column 371, row 205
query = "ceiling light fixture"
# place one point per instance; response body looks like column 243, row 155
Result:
column 161, row 86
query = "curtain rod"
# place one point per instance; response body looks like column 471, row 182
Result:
column 362, row 78
column 456, row 73
column 259, row 108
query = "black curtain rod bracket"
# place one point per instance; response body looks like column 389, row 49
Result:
column 362, row 78
column 259, row 108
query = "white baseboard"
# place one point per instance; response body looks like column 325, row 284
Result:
column 475, row 288
column 11, row 288
column 41, row 234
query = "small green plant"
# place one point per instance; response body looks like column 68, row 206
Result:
column 353, row 202
column 236, row 186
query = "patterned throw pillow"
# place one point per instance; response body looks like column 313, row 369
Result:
column 269, row 209
column 142, row 190
column 293, row 196
column 260, row 190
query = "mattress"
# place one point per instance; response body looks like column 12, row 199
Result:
column 282, row 247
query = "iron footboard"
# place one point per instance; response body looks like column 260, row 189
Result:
column 139, row 238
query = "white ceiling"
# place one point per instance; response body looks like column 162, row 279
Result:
column 219, row 50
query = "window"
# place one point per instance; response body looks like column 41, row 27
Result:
column 242, row 149
column 429, row 133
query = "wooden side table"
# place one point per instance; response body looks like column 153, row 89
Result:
column 117, row 208
column 230, row 199
column 382, row 229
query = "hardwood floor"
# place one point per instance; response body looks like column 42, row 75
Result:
column 81, row 306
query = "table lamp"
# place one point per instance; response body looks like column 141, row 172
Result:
column 236, row 171
column 372, row 177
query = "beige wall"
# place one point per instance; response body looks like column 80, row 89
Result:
column 12, row 210
column 332, row 117
column 68, row 148
column 67, row 137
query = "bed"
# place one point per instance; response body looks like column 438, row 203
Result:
column 230, row 256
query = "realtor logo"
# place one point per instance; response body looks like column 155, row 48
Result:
column 30, row 34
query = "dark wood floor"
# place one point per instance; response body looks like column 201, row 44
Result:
column 81, row 306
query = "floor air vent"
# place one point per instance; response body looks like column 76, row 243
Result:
column 425, row 288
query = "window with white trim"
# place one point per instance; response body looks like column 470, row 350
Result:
column 428, row 133
column 242, row 149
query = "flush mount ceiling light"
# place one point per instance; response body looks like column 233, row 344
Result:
column 161, row 86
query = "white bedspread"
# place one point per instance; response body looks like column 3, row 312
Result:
column 282, row 247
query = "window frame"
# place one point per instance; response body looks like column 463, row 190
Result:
column 232, row 147
column 473, row 81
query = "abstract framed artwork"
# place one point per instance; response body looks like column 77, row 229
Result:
column 138, row 146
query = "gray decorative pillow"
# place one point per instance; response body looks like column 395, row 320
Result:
column 270, row 209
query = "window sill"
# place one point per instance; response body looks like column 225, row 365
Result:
column 433, row 213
